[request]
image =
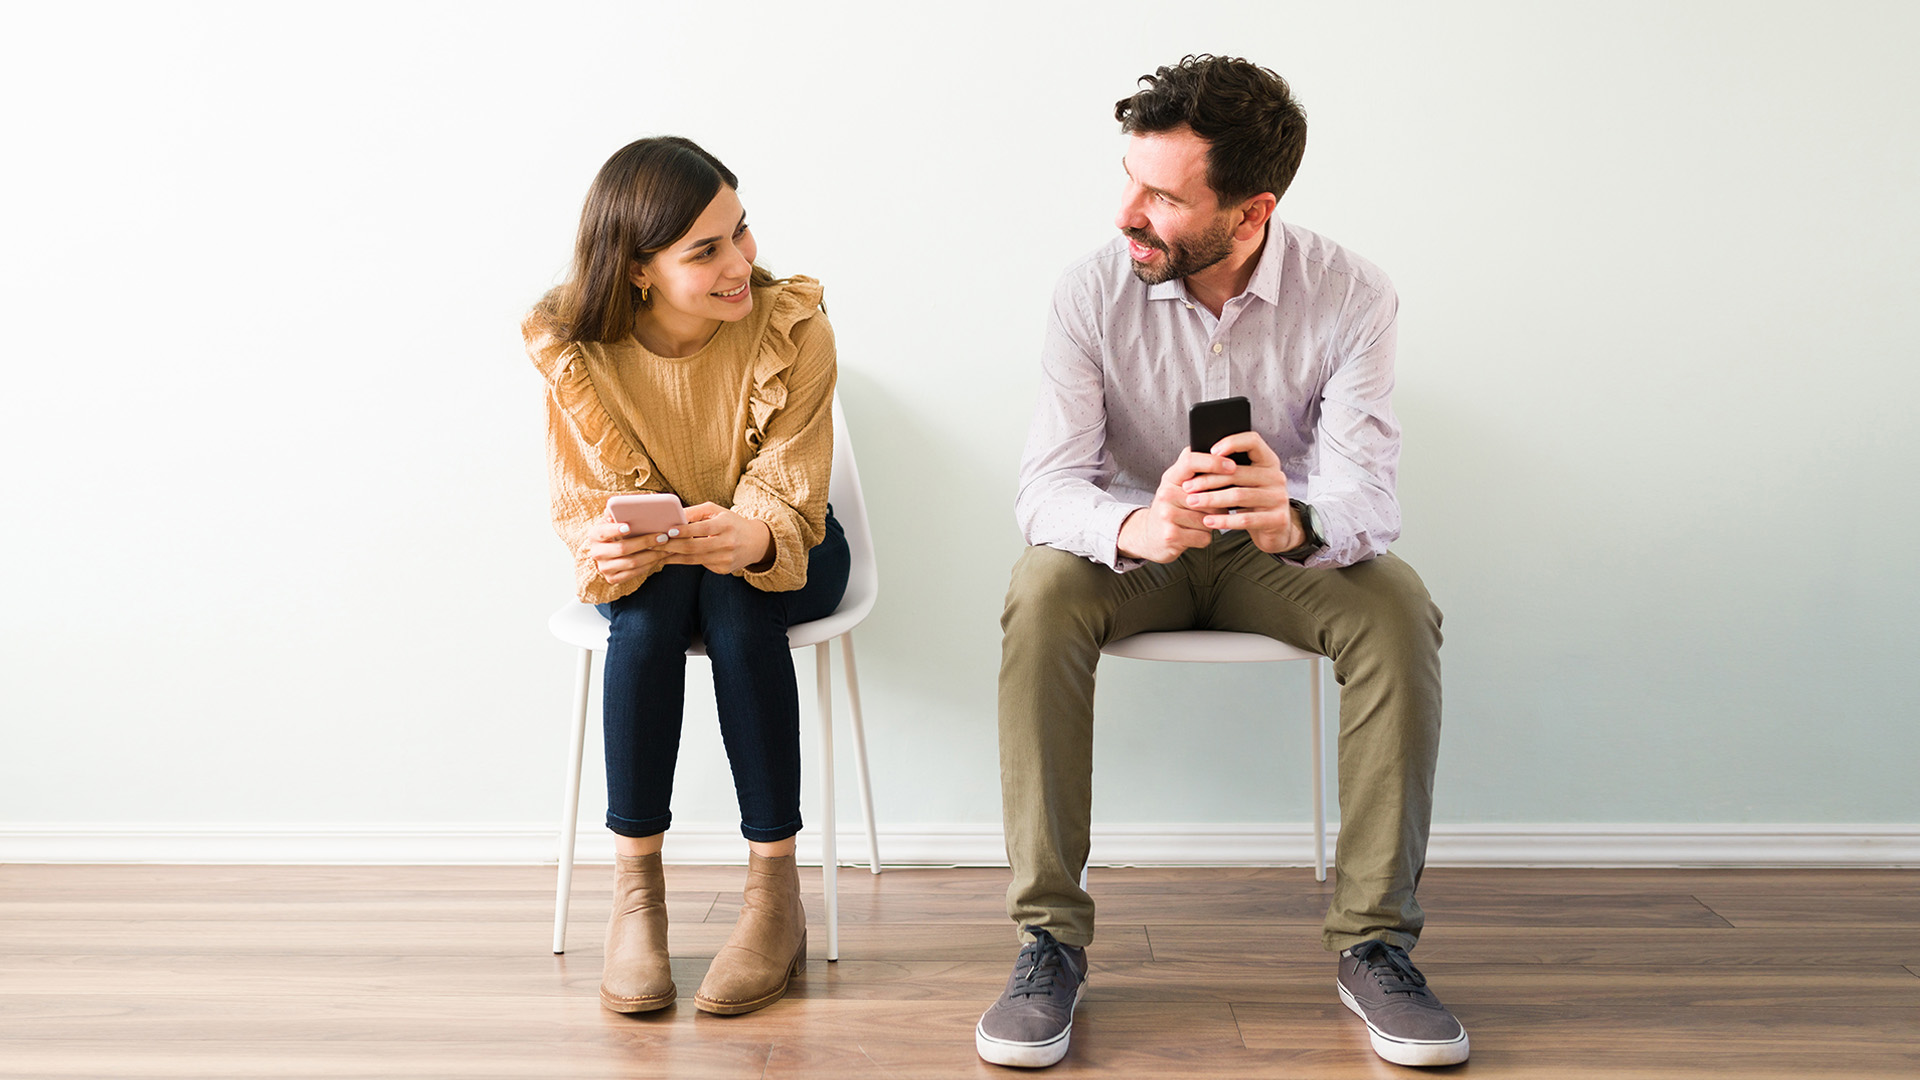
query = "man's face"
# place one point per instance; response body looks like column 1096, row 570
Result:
column 1173, row 222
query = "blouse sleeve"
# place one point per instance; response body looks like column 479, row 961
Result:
column 588, row 461
column 785, row 483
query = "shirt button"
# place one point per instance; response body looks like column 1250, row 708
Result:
column 1216, row 346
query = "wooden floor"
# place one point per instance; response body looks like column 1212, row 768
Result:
column 131, row 971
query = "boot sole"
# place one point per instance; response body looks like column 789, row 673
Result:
column 735, row 1008
column 631, row 1005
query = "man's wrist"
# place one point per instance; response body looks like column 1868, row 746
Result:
column 1120, row 546
column 1312, row 541
column 1296, row 535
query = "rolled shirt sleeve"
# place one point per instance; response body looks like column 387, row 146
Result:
column 1065, row 472
column 1355, row 459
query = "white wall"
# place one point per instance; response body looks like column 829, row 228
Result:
column 275, row 547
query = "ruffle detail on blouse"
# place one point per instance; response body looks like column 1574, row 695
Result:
column 573, row 392
column 793, row 302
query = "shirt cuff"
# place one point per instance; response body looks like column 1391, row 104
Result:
column 1338, row 531
column 1105, row 534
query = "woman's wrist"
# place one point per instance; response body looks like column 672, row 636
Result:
column 767, row 551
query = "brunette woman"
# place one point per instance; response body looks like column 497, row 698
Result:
column 674, row 364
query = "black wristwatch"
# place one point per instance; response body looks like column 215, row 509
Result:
column 1310, row 524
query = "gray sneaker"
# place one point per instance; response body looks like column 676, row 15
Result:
column 1030, row 1023
column 1408, row 1024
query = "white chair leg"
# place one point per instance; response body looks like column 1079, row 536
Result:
column 570, row 816
column 829, row 858
column 1319, row 755
column 860, row 751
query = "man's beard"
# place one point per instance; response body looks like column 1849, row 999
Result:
column 1183, row 257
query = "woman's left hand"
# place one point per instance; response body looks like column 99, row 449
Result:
column 720, row 540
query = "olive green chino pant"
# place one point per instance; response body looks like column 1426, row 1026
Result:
column 1373, row 619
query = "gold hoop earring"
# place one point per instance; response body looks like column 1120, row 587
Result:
column 643, row 294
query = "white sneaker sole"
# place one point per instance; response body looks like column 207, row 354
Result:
column 1408, row 1051
column 1026, row 1055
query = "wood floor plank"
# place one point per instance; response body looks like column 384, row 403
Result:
column 907, row 981
column 973, row 941
column 1615, row 946
column 1861, row 912
column 246, row 936
column 405, row 972
column 329, row 1059
column 1289, row 896
column 796, row 1058
column 682, row 908
column 1551, row 1040
column 1451, row 880
column 79, row 880
column 1458, row 983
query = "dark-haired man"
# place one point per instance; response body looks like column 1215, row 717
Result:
column 1207, row 295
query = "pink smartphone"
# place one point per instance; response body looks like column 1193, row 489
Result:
column 647, row 513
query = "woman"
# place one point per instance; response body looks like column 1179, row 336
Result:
column 676, row 365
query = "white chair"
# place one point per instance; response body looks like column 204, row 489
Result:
column 583, row 626
column 1226, row 647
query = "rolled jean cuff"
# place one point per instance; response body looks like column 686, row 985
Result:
column 770, row 836
column 652, row 826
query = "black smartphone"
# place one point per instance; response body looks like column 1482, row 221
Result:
column 1210, row 421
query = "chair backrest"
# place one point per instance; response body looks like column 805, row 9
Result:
column 850, row 508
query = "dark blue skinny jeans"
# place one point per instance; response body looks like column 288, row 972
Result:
column 745, row 630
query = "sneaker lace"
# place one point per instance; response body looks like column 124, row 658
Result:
column 1390, row 968
column 1038, row 965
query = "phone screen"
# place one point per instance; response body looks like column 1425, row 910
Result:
column 1210, row 421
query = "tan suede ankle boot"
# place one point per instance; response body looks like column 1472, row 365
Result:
column 638, row 977
column 768, row 945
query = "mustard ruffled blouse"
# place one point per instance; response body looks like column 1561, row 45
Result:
column 746, row 422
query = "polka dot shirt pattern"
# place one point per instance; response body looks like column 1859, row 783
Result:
column 1310, row 344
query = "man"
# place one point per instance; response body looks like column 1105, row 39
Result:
column 1207, row 295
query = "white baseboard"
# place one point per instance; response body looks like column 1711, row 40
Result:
column 972, row 845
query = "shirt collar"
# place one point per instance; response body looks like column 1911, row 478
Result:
column 1266, row 273
column 1264, row 284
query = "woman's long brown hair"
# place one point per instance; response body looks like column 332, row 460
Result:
column 647, row 195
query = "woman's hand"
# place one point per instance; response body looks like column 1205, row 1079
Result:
column 620, row 557
column 720, row 540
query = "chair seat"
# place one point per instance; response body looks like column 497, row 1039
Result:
column 1231, row 647
column 1204, row 647
column 583, row 627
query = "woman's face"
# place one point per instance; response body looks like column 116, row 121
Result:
column 704, row 274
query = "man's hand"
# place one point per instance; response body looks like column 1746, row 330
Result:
column 618, row 556
column 1166, row 527
column 1255, row 493
column 720, row 540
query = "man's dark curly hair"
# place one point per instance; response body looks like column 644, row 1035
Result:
column 1256, row 131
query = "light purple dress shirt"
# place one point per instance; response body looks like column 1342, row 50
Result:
column 1310, row 344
